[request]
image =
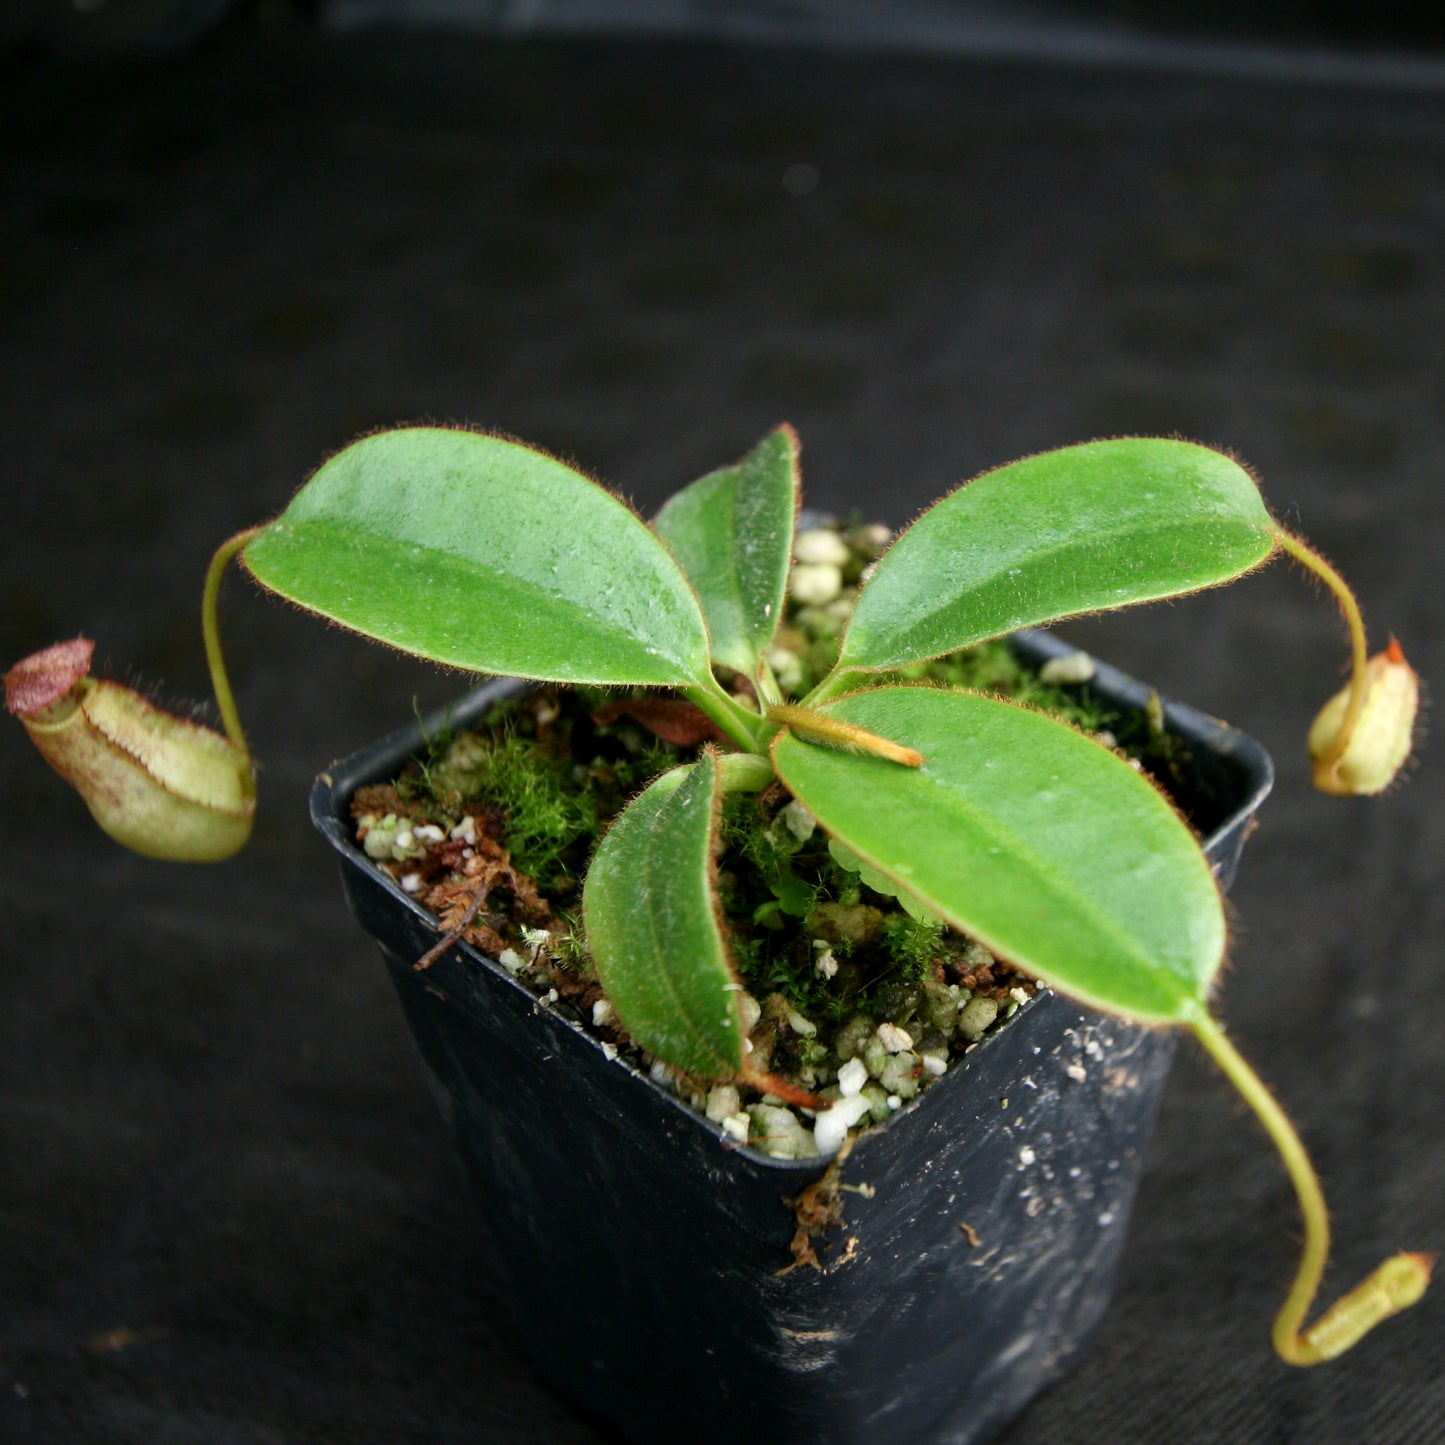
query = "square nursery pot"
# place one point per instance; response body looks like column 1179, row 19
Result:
column 966, row 1277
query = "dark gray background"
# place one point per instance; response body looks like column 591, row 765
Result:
column 214, row 1136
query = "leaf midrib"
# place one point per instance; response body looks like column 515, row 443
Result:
column 1082, row 900
column 1134, row 948
column 926, row 615
column 665, row 976
column 366, row 541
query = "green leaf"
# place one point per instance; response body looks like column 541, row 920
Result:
column 1096, row 526
column 847, row 859
column 653, row 928
column 732, row 531
column 794, row 896
column 485, row 554
column 1043, row 845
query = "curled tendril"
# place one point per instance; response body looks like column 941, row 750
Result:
column 1394, row 1286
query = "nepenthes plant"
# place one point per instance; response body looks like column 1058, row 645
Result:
column 1050, row 849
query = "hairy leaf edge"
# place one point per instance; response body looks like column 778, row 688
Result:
column 1190, row 1009
column 795, row 450
column 621, row 499
column 845, row 667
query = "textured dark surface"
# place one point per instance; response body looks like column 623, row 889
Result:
column 228, row 1211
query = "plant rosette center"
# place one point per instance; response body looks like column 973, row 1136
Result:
column 851, row 990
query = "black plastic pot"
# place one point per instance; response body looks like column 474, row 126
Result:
column 963, row 1281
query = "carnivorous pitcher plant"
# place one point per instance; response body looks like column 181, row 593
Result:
column 1041, row 843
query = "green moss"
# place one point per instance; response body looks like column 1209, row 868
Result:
column 913, row 944
column 569, row 946
column 546, row 816
column 552, row 776
column 848, row 951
